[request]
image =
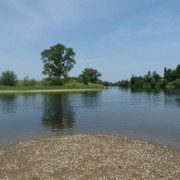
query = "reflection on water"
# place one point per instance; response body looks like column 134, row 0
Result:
column 148, row 90
column 58, row 114
column 147, row 114
column 91, row 100
column 171, row 97
column 7, row 103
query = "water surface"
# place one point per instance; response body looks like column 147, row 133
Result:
column 148, row 115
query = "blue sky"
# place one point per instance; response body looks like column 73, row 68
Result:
column 119, row 38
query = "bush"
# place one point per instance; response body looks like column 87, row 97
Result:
column 29, row 82
column 8, row 78
column 52, row 82
column 45, row 82
column 163, row 83
column 153, row 82
column 56, row 82
column 175, row 83
column 83, row 80
column 124, row 83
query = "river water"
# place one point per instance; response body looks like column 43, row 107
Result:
column 149, row 115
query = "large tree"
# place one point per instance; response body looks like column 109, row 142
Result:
column 58, row 60
column 91, row 74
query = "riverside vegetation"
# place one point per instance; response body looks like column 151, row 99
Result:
column 171, row 79
column 52, row 83
column 58, row 61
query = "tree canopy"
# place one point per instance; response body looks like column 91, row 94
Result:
column 8, row 78
column 58, row 60
column 91, row 74
column 171, row 78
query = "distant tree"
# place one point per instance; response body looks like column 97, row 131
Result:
column 91, row 74
column 169, row 74
column 58, row 60
column 165, row 71
column 8, row 78
column 123, row 83
column 163, row 83
column 178, row 71
column 137, row 82
column 106, row 83
column 156, row 76
column 153, row 82
column 148, row 77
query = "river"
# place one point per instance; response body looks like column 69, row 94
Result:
column 152, row 115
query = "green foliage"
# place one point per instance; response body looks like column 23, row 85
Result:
column 91, row 74
column 168, row 74
column 26, row 88
column 163, row 83
column 52, row 82
column 105, row 83
column 156, row 76
column 148, row 77
column 8, row 78
column 171, row 75
column 29, row 82
column 175, row 83
column 178, row 71
column 45, row 82
column 83, row 80
column 58, row 60
column 137, row 82
column 56, row 82
column 149, row 80
column 153, row 82
column 124, row 83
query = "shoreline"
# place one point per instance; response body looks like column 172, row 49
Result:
column 89, row 156
column 48, row 90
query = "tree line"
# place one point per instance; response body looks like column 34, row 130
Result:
column 154, row 80
column 58, row 61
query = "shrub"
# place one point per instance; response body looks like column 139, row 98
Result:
column 163, row 83
column 52, row 82
column 153, row 82
column 29, row 82
column 56, row 82
column 8, row 78
column 175, row 83
column 83, row 80
column 124, row 83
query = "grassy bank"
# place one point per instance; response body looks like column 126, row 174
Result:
column 26, row 88
column 52, row 84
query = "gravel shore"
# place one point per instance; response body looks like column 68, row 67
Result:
column 83, row 157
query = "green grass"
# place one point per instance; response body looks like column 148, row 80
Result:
column 26, row 88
